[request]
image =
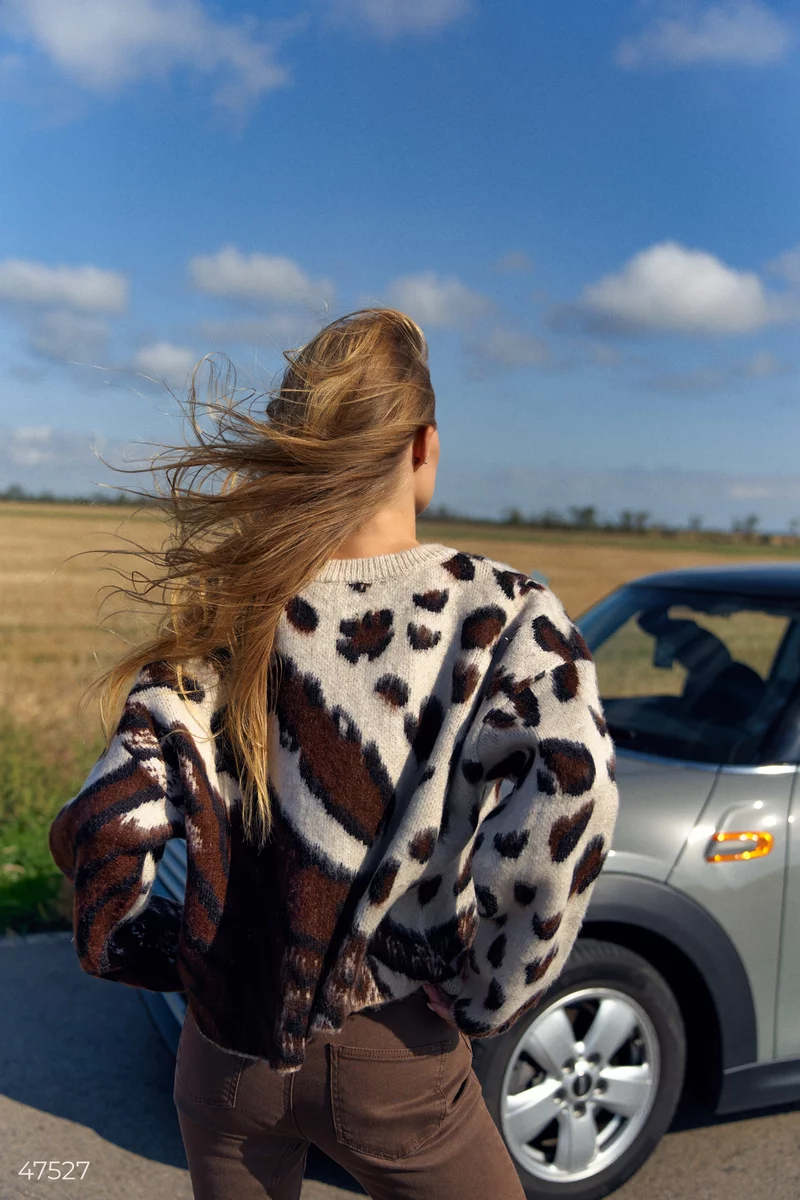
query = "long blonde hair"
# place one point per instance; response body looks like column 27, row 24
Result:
column 294, row 481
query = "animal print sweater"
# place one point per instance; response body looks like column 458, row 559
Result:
column 442, row 783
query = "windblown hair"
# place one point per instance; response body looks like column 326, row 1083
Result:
column 289, row 485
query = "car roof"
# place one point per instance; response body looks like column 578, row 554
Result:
column 754, row 579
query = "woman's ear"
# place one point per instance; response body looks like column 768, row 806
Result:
column 419, row 447
column 431, row 434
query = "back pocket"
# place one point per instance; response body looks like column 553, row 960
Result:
column 387, row 1102
column 204, row 1072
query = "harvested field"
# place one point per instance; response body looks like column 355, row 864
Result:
column 53, row 577
column 51, row 646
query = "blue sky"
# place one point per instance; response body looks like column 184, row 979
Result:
column 591, row 209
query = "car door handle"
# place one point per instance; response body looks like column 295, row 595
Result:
column 739, row 845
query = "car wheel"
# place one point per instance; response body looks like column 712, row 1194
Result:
column 583, row 1088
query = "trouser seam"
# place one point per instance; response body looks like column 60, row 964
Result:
column 282, row 1161
column 288, row 1094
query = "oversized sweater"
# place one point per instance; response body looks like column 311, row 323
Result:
column 443, row 796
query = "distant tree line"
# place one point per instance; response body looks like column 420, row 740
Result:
column 18, row 493
column 576, row 517
column 633, row 521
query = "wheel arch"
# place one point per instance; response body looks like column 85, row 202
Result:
column 698, row 960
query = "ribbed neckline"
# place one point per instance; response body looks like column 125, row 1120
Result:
column 383, row 566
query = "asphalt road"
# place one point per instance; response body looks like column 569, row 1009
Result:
column 84, row 1075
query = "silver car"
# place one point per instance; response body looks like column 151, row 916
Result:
column 685, row 980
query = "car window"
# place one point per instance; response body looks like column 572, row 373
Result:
column 751, row 637
column 699, row 676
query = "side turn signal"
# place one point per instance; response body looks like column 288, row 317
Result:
column 738, row 846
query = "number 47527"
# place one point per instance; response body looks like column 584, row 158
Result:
column 54, row 1170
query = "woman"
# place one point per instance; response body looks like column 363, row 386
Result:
column 389, row 763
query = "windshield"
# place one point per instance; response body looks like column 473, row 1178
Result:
column 693, row 675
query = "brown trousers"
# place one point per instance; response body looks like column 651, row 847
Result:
column 391, row 1097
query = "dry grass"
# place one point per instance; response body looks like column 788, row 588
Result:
column 51, row 642
column 51, row 646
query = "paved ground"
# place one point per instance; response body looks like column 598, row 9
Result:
column 84, row 1075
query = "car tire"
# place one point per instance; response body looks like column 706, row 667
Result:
column 643, row 1077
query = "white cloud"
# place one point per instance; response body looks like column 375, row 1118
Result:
column 40, row 446
column 750, row 491
column 30, row 446
column 68, row 336
column 265, row 277
column 735, row 31
column 388, row 19
column 671, row 289
column 787, row 265
column 715, row 376
column 85, row 289
column 513, row 348
column 440, row 303
column 62, row 308
column 43, row 458
column 103, row 46
column 165, row 361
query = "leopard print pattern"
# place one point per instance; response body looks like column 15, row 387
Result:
column 443, row 796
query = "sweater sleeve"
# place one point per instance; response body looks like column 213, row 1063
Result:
column 109, row 838
column 539, row 849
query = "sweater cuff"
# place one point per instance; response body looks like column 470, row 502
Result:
column 143, row 951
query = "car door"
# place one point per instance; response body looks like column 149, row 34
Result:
column 787, row 1017
column 699, row 680
column 650, row 832
column 733, row 865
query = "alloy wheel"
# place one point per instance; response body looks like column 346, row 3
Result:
column 580, row 1084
